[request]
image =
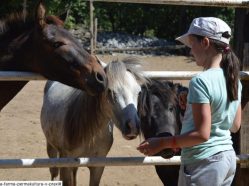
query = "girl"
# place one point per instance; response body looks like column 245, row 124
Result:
column 213, row 109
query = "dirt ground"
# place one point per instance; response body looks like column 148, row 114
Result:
column 21, row 135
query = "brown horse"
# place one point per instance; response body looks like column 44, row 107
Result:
column 40, row 44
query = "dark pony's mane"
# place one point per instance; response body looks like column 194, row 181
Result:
column 86, row 113
column 165, row 91
column 162, row 90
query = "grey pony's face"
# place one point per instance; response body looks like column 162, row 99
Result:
column 125, row 99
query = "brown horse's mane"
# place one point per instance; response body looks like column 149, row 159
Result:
column 17, row 23
column 15, row 30
column 86, row 113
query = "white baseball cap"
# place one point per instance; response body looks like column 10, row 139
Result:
column 210, row 27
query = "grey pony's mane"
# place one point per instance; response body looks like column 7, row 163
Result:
column 86, row 114
column 116, row 70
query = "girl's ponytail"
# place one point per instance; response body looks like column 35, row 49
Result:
column 230, row 66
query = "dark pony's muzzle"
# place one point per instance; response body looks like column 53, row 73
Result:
column 166, row 153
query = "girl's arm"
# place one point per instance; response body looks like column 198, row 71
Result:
column 201, row 133
column 237, row 121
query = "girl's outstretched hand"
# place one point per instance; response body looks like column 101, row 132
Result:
column 151, row 146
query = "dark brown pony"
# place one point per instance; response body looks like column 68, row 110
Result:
column 40, row 44
column 160, row 115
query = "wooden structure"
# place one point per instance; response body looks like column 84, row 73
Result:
column 241, row 36
column 209, row 3
column 215, row 3
column 93, row 21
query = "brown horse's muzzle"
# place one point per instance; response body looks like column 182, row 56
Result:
column 96, row 83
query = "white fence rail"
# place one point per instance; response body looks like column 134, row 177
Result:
column 87, row 161
column 172, row 75
column 19, row 76
column 97, row 162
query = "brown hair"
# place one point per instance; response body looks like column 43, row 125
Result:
column 230, row 65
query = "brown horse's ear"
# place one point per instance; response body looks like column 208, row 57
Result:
column 51, row 19
column 40, row 15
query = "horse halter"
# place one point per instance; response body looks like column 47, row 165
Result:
column 182, row 101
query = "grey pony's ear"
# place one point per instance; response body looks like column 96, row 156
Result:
column 40, row 15
column 103, row 64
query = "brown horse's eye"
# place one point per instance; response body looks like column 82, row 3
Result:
column 57, row 44
column 75, row 65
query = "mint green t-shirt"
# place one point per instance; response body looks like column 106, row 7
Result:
column 210, row 87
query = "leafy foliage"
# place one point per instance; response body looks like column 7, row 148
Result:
column 140, row 19
column 159, row 20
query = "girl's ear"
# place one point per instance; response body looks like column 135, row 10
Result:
column 205, row 42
